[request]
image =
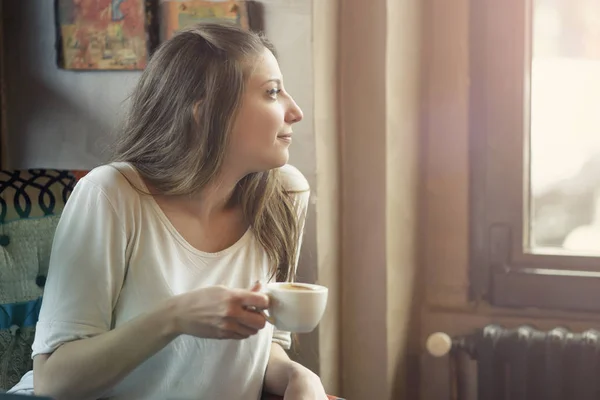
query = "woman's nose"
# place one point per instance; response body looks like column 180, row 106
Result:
column 294, row 113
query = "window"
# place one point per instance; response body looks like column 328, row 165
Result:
column 535, row 148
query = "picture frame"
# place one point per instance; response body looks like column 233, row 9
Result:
column 177, row 14
column 102, row 35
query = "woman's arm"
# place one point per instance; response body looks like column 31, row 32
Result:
column 99, row 363
column 279, row 369
column 87, row 368
column 290, row 379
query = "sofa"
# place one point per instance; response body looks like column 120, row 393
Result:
column 31, row 202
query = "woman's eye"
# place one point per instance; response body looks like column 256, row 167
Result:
column 273, row 92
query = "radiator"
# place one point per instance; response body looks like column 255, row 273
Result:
column 522, row 363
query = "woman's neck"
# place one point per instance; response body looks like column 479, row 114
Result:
column 213, row 200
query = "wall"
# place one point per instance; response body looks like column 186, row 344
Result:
column 64, row 119
column 55, row 118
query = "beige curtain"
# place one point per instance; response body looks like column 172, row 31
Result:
column 367, row 113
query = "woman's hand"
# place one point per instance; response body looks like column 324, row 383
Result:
column 218, row 312
column 304, row 385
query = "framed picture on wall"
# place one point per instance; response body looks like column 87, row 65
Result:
column 178, row 14
column 102, row 34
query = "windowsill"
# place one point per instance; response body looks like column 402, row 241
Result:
column 451, row 300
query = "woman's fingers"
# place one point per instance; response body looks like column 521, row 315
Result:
column 233, row 329
column 256, row 300
column 253, row 319
column 256, row 287
column 244, row 316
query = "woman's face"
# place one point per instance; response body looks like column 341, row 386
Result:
column 262, row 131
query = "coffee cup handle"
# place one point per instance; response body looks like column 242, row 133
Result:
column 269, row 319
column 265, row 312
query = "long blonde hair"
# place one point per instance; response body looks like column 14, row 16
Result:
column 178, row 128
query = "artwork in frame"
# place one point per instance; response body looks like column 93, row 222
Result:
column 102, row 34
column 176, row 14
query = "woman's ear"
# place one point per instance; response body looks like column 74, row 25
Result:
column 196, row 111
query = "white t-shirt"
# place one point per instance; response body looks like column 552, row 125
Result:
column 116, row 255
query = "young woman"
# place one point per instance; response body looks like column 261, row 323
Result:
column 154, row 284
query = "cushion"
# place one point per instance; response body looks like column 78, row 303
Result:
column 15, row 355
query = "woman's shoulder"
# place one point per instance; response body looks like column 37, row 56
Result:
column 292, row 179
column 114, row 180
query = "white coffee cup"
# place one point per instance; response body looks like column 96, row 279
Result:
column 296, row 307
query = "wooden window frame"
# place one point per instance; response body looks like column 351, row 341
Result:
column 501, row 272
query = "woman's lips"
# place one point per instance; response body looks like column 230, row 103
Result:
column 286, row 137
